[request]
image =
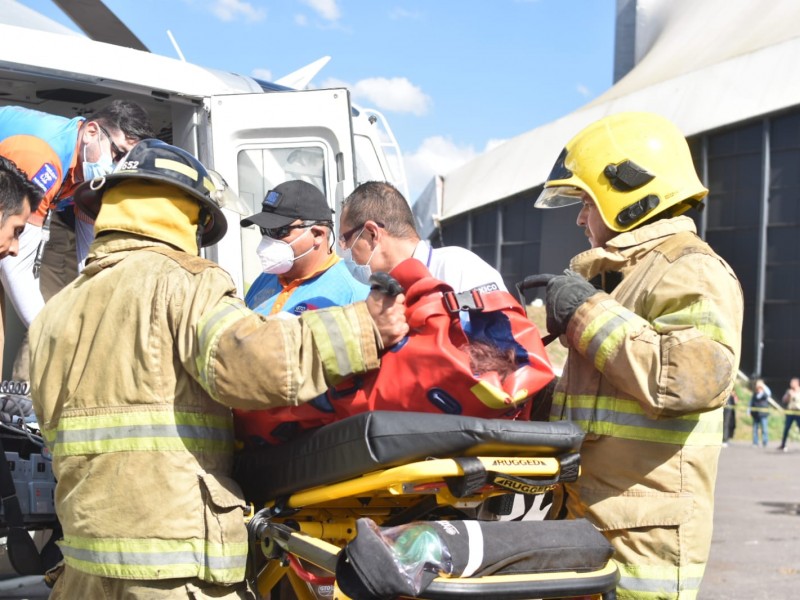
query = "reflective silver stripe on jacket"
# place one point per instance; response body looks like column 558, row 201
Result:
column 155, row 430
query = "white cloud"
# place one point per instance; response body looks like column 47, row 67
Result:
column 583, row 90
column 264, row 74
column 301, row 20
column 437, row 155
column 332, row 82
column 230, row 10
column 401, row 13
column 397, row 94
column 327, row 9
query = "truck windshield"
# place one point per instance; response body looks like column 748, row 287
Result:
column 262, row 169
column 368, row 165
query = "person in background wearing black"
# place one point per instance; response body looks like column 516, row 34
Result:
column 791, row 404
column 729, row 418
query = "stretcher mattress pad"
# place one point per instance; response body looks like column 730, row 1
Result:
column 374, row 440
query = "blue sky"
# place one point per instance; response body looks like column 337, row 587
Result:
column 453, row 77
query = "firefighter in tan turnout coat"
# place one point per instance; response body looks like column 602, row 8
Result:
column 654, row 344
column 134, row 367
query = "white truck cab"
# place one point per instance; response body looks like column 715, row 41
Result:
column 254, row 133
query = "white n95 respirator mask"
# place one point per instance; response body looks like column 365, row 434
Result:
column 277, row 256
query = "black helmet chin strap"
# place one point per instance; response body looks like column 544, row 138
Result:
column 202, row 223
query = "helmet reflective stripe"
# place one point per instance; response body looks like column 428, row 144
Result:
column 634, row 166
column 625, row 419
column 183, row 169
column 144, row 431
column 152, row 558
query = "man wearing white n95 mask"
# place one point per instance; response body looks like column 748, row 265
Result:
column 300, row 270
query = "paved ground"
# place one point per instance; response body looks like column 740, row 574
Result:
column 755, row 553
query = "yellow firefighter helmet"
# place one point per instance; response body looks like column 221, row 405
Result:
column 633, row 165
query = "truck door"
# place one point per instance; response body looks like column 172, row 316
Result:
column 261, row 140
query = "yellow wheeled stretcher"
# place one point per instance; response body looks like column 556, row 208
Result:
column 391, row 504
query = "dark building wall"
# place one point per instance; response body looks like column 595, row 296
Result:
column 751, row 218
column 781, row 358
column 516, row 238
column 733, row 208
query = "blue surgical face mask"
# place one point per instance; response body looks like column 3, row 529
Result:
column 360, row 273
column 100, row 168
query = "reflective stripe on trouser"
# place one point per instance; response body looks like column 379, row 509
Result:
column 661, row 582
column 156, row 559
column 624, row 418
column 75, row 584
column 141, row 431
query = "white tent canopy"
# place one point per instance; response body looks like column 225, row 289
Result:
column 703, row 65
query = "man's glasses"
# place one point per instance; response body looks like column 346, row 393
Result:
column 116, row 152
column 345, row 236
column 278, row 233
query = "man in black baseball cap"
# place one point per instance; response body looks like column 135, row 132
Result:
column 300, row 270
column 289, row 202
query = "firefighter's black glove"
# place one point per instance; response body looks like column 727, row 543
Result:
column 565, row 293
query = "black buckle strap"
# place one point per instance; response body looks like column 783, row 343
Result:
column 570, row 467
column 473, row 479
column 470, row 300
column 37, row 261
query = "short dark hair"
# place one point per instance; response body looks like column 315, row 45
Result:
column 382, row 202
column 126, row 116
column 15, row 188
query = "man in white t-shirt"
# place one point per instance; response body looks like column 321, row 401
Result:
column 377, row 232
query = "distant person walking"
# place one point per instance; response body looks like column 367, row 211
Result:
column 759, row 411
column 729, row 418
column 791, row 402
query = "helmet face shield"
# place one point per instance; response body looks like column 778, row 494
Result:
column 224, row 197
column 560, row 195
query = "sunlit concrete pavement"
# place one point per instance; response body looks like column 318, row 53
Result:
column 755, row 553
